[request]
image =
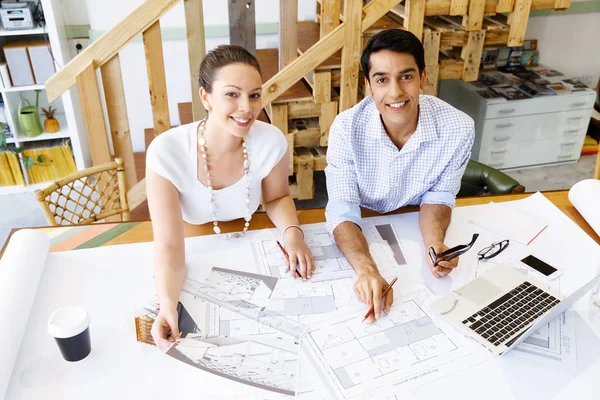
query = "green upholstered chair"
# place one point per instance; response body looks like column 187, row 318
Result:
column 480, row 179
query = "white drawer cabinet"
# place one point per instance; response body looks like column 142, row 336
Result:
column 523, row 133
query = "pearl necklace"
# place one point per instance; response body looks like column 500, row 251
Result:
column 213, row 206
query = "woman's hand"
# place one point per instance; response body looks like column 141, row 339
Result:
column 164, row 330
column 299, row 254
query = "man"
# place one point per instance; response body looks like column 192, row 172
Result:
column 394, row 148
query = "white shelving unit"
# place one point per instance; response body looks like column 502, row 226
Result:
column 68, row 111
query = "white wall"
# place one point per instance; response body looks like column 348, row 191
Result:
column 569, row 44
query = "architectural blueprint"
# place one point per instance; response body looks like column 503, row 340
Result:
column 330, row 263
column 228, row 335
column 403, row 349
column 553, row 344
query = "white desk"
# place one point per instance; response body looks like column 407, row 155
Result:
column 119, row 367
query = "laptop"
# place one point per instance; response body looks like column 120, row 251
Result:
column 503, row 306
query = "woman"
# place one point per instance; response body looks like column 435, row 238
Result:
column 216, row 170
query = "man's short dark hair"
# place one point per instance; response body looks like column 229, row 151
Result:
column 395, row 40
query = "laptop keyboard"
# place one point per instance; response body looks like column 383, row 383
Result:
column 509, row 314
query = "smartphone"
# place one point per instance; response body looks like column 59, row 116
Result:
column 541, row 267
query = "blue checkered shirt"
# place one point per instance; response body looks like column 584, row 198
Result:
column 365, row 168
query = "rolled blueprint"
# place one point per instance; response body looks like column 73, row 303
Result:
column 585, row 196
column 21, row 267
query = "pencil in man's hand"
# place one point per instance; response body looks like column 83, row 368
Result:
column 372, row 309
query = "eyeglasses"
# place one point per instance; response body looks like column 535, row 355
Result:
column 451, row 253
column 493, row 250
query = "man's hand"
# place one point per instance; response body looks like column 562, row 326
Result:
column 443, row 268
column 368, row 288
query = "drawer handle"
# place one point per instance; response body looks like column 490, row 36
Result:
column 501, row 139
column 578, row 104
column 571, row 130
column 506, row 125
column 574, row 118
column 564, row 156
column 512, row 110
column 496, row 164
column 498, row 151
column 567, row 144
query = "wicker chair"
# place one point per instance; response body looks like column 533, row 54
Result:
column 86, row 196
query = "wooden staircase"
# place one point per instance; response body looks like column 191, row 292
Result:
column 300, row 93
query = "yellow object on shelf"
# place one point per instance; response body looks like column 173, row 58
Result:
column 58, row 162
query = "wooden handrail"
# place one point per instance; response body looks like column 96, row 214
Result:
column 109, row 44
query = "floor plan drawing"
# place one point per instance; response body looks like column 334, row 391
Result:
column 231, row 336
column 405, row 347
column 267, row 364
column 330, row 263
column 553, row 343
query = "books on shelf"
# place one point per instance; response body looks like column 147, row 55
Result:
column 10, row 170
column 9, row 133
column 58, row 162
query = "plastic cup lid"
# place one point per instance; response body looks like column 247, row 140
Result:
column 67, row 322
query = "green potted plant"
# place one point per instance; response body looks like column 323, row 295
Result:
column 28, row 162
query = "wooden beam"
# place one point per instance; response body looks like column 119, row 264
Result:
column 303, row 109
column 562, row 4
column 330, row 16
column 279, row 117
column 310, row 59
column 288, row 32
column 328, row 113
column 460, row 38
column 93, row 115
column 155, row 66
column 322, row 87
column 194, row 26
column 474, row 19
column 431, row 80
column 471, row 54
column 289, row 138
column 459, row 7
column 451, row 69
column 109, row 44
column 518, row 26
column 137, row 194
column 504, row 6
column 320, row 51
column 374, row 10
column 431, row 45
column 415, row 16
column 114, row 95
column 351, row 54
column 242, row 24
column 304, row 174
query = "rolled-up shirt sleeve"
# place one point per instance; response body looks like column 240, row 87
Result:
column 342, row 185
column 446, row 188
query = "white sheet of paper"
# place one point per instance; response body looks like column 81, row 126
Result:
column 585, row 196
column 20, row 270
column 508, row 222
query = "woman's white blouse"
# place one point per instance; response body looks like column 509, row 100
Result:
column 174, row 156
